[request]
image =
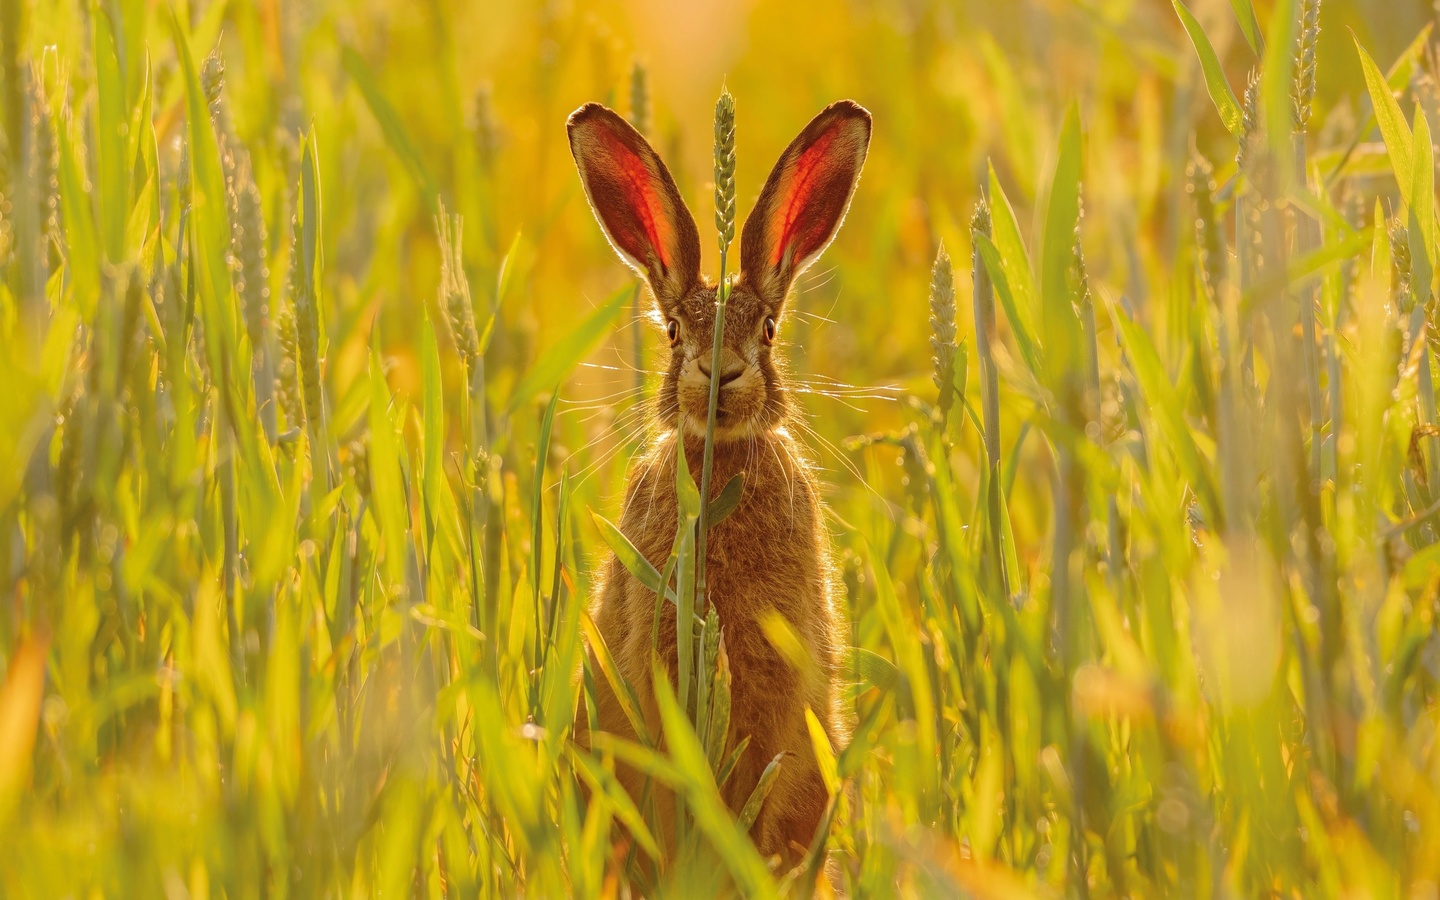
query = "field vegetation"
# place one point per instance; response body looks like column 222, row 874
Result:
column 318, row 385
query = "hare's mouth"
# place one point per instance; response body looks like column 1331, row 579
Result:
column 739, row 410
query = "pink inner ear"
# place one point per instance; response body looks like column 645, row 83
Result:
column 647, row 229
column 795, row 221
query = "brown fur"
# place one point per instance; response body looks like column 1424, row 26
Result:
column 772, row 552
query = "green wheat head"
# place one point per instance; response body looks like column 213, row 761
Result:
column 1302, row 92
column 725, row 168
column 942, row 323
column 639, row 97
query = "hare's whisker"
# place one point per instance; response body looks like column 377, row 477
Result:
column 836, row 452
column 817, row 279
column 620, row 444
column 826, row 379
column 813, row 317
column 623, row 426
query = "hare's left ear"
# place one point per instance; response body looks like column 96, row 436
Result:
column 804, row 199
column 636, row 202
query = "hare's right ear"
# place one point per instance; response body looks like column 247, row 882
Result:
column 804, row 199
column 636, row 202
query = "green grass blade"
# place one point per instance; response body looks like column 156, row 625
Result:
column 756, row 801
column 703, row 798
column 1422, row 209
column 624, row 692
column 729, row 497
column 113, row 143
column 1393, row 128
column 1249, row 25
column 1166, row 406
column 386, row 479
column 630, row 557
column 1061, row 327
column 1010, row 244
column 873, row 668
column 604, row 783
column 1024, row 340
column 1214, row 71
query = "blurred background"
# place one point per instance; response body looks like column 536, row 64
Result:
column 482, row 90
column 345, row 757
column 953, row 87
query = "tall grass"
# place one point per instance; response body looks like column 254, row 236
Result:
column 319, row 390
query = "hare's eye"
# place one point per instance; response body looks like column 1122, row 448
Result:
column 769, row 329
column 672, row 331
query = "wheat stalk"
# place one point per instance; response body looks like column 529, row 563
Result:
column 725, row 226
column 455, row 287
column 942, row 328
column 640, row 118
column 1302, row 92
column 639, row 97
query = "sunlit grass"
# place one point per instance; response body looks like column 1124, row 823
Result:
column 318, row 388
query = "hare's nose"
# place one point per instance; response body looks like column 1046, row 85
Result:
column 734, row 368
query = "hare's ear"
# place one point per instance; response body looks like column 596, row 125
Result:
column 804, row 199
column 635, row 201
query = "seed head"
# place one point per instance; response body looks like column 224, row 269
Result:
column 725, row 168
column 1302, row 92
column 1400, row 266
column 288, row 392
column 247, row 246
column 1249, row 120
column 639, row 97
column 307, row 328
column 212, row 79
column 44, row 165
column 942, row 328
column 1200, row 185
column 455, row 288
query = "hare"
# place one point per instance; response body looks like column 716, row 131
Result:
column 772, row 552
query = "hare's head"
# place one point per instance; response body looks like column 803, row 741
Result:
column 648, row 224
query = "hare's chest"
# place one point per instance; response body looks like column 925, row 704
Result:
column 767, row 553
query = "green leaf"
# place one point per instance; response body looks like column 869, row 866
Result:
column 688, row 500
column 604, row 783
column 631, row 558
column 1165, row 406
column 824, row 752
column 1025, row 342
column 1015, row 260
column 1422, row 207
column 756, row 801
column 624, row 692
column 729, row 497
column 82, row 263
column 1061, row 327
column 537, row 496
column 1215, row 82
column 1249, row 25
column 547, row 372
column 1311, row 264
column 387, row 487
column 114, row 159
column 1398, row 140
column 1277, row 110
column 703, row 797
column 873, row 667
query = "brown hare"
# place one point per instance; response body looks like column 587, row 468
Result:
column 772, row 552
